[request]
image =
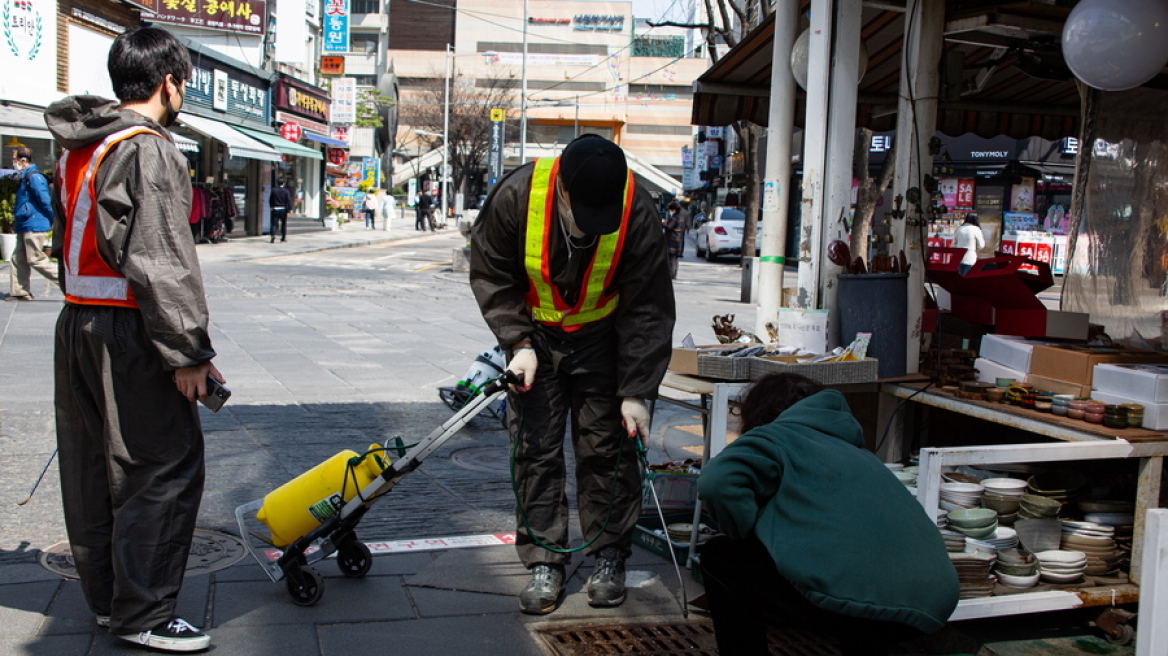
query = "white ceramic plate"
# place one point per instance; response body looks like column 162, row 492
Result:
column 1060, row 556
column 1111, row 519
column 1061, row 578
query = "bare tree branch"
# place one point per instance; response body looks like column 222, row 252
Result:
column 691, row 26
column 471, row 100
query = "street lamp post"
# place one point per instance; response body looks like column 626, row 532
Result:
column 446, row 130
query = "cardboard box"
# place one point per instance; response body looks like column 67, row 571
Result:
column 685, row 360
column 1056, row 386
column 1076, row 364
column 1138, row 382
column 674, row 491
column 989, row 371
column 1008, row 351
column 1155, row 414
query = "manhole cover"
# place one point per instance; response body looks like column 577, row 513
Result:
column 491, row 459
column 688, row 638
column 211, row 551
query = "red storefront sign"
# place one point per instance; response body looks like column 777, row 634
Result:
column 338, row 156
column 964, row 194
column 291, row 131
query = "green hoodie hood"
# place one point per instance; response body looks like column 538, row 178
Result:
column 837, row 523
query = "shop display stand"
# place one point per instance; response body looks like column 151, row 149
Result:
column 1078, row 441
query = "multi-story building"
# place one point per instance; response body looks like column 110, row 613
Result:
column 591, row 67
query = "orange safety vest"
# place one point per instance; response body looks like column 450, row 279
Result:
column 543, row 299
column 89, row 280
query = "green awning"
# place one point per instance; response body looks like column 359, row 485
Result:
column 281, row 144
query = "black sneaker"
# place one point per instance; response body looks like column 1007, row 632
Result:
column 175, row 635
column 606, row 586
column 542, row 594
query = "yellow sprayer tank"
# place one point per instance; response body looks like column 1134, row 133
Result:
column 312, row 498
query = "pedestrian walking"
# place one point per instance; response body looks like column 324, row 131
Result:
column 132, row 349
column 674, row 236
column 969, row 236
column 425, row 213
column 568, row 268
column 280, row 200
column 796, row 497
column 370, row 204
column 33, row 221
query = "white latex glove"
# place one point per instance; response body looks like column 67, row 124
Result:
column 635, row 417
column 523, row 364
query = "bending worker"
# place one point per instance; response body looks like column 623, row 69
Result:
column 568, row 267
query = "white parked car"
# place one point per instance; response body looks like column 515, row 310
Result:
column 721, row 233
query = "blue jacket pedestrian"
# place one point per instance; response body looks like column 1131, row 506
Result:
column 34, row 205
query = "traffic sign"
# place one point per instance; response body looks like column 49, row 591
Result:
column 498, row 115
column 291, row 131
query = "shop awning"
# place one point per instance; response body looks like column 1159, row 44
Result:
column 238, row 145
column 184, row 144
column 328, row 141
column 1012, row 78
column 22, row 122
column 281, row 144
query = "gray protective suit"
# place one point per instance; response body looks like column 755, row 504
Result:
column 131, row 446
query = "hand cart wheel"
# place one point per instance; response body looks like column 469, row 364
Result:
column 354, row 559
column 305, row 585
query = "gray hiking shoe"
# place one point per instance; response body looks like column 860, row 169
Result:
column 542, row 594
column 606, row 586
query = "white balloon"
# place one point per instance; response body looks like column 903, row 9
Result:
column 800, row 56
column 1116, row 44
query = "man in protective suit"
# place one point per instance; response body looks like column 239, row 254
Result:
column 568, row 266
column 132, row 349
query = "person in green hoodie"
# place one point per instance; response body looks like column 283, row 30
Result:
column 817, row 531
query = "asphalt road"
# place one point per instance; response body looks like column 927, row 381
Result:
column 325, row 351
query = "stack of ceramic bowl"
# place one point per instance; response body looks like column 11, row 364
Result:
column 1003, row 538
column 1097, row 542
column 1059, row 566
column 908, row 478
column 1033, row 506
column 973, row 573
column 1005, row 496
column 976, row 523
column 956, row 496
column 1017, row 569
column 1061, row 485
column 954, row 541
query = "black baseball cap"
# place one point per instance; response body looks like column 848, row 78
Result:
column 593, row 171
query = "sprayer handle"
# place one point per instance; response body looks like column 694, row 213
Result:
column 505, row 379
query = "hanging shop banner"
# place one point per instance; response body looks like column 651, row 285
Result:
column 223, row 90
column 687, row 159
column 345, row 100
column 545, row 59
column 371, row 171
column 956, row 193
column 341, row 133
column 495, row 147
column 332, row 65
column 1022, row 196
column 336, row 25
column 242, row 16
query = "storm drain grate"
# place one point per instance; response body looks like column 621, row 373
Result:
column 689, row 638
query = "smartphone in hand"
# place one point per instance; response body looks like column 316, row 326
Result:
column 217, row 395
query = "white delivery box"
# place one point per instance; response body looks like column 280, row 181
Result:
column 989, row 371
column 1142, row 383
column 1155, row 414
column 1009, row 351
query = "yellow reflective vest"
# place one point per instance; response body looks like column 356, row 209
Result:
column 543, row 299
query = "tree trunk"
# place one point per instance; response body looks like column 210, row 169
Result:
column 868, row 191
column 749, row 132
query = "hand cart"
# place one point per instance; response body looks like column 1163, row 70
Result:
column 337, row 534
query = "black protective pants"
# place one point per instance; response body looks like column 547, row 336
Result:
column 577, row 384
column 746, row 592
column 279, row 224
column 131, row 459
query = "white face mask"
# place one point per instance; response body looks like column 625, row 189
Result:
column 19, row 164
